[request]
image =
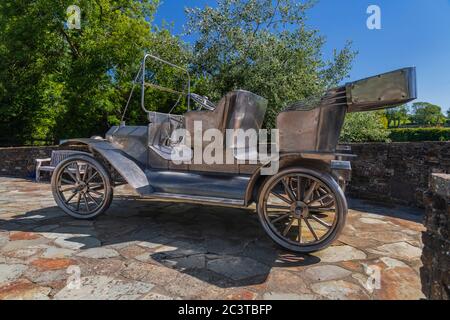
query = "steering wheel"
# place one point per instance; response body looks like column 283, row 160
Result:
column 202, row 102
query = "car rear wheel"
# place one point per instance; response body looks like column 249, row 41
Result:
column 82, row 187
column 302, row 210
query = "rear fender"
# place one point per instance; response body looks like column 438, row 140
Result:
column 286, row 161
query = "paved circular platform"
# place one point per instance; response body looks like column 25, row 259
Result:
column 143, row 249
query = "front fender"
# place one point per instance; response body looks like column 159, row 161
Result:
column 126, row 166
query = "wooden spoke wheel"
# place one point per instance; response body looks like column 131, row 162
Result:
column 302, row 210
column 82, row 187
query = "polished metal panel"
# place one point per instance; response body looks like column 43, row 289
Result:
column 130, row 169
column 333, row 98
column 315, row 130
column 341, row 165
column 214, row 168
column 306, row 127
column 79, row 141
column 238, row 110
column 160, row 130
column 247, row 112
column 198, row 184
column 382, row 91
column 211, row 119
column 130, row 139
column 155, row 161
column 341, row 170
column 161, row 127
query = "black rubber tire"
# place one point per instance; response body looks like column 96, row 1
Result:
column 341, row 210
column 100, row 169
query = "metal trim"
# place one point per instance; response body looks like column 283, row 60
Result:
column 170, row 64
column 341, row 165
column 195, row 199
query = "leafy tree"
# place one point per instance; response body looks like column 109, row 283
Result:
column 57, row 82
column 427, row 114
column 263, row 46
column 364, row 127
column 397, row 116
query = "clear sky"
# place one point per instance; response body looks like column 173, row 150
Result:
column 413, row 33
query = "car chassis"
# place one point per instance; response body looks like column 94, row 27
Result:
column 302, row 207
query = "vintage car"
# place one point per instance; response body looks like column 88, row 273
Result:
column 301, row 206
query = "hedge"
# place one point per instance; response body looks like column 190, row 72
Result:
column 420, row 134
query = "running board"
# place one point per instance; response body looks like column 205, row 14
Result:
column 195, row 199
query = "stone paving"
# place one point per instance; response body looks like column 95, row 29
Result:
column 143, row 249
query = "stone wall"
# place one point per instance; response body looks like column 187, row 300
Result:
column 435, row 273
column 20, row 161
column 397, row 173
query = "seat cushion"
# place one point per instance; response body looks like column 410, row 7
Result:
column 247, row 112
column 215, row 119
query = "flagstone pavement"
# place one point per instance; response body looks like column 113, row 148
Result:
column 144, row 249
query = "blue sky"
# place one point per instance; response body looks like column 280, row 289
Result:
column 414, row 33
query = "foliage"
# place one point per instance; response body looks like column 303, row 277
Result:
column 420, row 134
column 263, row 46
column 56, row 82
column 364, row 127
column 428, row 114
column 420, row 114
column 397, row 116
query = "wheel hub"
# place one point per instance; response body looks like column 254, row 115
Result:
column 299, row 210
column 82, row 187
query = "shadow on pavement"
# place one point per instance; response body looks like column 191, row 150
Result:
column 222, row 246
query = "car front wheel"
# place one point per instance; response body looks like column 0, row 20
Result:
column 82, row 187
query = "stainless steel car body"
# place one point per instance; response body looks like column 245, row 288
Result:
column 308, row 137
column 318, row 127
column 306, row 189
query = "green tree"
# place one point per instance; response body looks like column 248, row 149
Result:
column 57, row 82
column 397, row 116
column 364, row 127
column 263, row 46
column 427, row 114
